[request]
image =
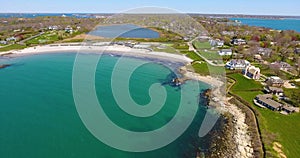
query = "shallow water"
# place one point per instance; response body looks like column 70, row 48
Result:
column 38, row 117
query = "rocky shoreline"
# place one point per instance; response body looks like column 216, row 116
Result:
column 230, row 136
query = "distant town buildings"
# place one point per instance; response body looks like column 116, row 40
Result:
column 297, row 51
column 53, row 27
column 237, row 64
column 252, row 72
column 224, row 52
column 69, row 29
column 264, row 51
column 228, row 33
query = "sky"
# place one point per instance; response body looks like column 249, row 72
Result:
column 252, row 7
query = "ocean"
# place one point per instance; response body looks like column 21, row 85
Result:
column 38, row 117
column 278, row 24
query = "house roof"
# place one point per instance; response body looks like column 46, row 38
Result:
column 275, row 89
column 275, row 79
column 239, row 61
column 281, row 64
column 253, row 69
column 289, row 108
column 225, row 50
column 267, row 99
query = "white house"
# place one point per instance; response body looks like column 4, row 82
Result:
column 224, row 52
column 54, row 27
column 252, row 72
column 230, row 33
column 217, row 42
column 237, row 64
column 69, row 29
column 11, row 39
column 3, row 42
column 238, row 42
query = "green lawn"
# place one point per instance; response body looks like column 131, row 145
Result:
column 12, row 47
column 204, row 69
column 294, row 95
column 201, row 45
column 244, row 84
column 192, row 55
column 274, row 126
column 182, row 45
column 164, row 49
column 211, row 55
column 45, row 38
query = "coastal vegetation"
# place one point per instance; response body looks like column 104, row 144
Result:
column 12, row 47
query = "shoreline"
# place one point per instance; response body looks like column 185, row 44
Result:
column 241, row 140
column 234, row 129
column 97, row 48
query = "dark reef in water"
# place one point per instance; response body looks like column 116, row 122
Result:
column 205, row 97
column 4, row 66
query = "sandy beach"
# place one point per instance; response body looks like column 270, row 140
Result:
column 97, row 48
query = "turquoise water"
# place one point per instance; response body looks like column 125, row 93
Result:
column 38, row 117
column 126, row 31
column 283, row 24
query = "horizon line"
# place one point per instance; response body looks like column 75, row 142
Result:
column 231, row 14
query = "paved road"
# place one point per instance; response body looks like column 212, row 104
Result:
column 191, row 48
column 32, row 37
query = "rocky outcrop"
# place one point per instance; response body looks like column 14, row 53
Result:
column 4, row 66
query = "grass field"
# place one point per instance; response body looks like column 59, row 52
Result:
column 211, row 55
column 12, row 47
column 201, row 45
column 203, row 68
column 274, row 126
column 192, row 55
column 45, row 38
column 164, row 49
